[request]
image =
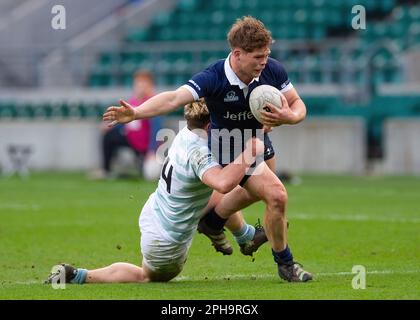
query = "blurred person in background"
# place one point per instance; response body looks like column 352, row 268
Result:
column 139, row 135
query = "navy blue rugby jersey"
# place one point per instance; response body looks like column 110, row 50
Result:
column 227, row 97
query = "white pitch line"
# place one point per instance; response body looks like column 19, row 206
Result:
column 355, row 217
column 254, row 277
column 368, row 272
column 274, row 275
column 27, row 282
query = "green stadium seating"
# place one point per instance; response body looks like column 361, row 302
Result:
column 287, row 19
column 51, row 110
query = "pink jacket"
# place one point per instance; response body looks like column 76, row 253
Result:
column 138, row 131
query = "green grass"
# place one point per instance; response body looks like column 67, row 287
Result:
column 336, row 222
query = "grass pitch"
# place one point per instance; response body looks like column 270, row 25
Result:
column 336, row 222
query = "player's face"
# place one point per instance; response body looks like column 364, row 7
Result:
column 253, row 63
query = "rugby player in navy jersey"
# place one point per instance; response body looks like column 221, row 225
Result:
column 226, row 86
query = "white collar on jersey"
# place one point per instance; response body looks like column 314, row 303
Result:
column 233, row 78
column 196, row 134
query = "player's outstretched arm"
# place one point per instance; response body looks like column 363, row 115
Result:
column 162, row 103
column 225, row 179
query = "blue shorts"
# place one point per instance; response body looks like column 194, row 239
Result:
column 268, row 154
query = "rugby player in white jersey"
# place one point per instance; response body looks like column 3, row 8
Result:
column 169, row 218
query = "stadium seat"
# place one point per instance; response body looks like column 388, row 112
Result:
column 198, row 20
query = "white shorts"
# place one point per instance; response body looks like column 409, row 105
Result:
column 160, row 255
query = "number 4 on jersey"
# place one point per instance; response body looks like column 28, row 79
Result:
column 167, row 175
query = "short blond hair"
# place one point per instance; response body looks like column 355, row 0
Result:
column 197, row 114
column 249, row 34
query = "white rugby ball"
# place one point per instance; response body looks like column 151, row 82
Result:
column 259, row 98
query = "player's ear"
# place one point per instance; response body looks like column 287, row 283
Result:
column 236, row 52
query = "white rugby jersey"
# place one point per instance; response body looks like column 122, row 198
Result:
column 180, row 197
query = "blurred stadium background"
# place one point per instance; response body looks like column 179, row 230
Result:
column 362, row 91
column 361, row 87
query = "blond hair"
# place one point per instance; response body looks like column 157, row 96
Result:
column 249, row 34
column 197, row 114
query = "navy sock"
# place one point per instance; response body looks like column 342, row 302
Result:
column 214, row 221
column 283, row 257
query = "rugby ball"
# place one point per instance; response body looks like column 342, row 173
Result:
column 259, row 98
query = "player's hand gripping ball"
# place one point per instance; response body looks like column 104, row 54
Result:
column 259, row 98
